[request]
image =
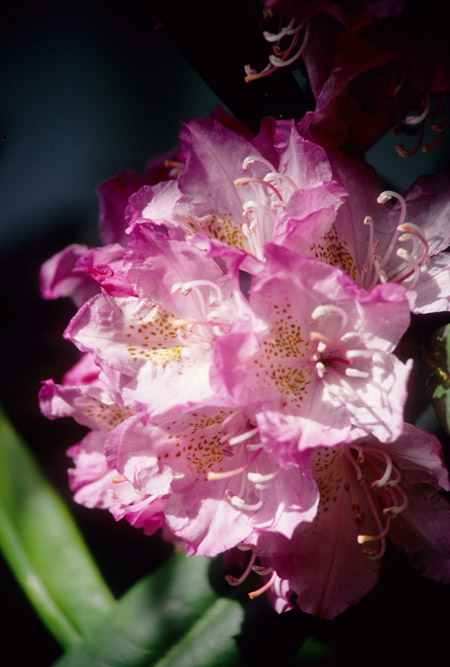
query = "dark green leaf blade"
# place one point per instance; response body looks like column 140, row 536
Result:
column 43, row 546
column 172, row 617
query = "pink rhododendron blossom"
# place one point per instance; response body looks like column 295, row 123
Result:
column 87, row 396
column 316, row 357
column 404, row 243
column 295, row 195
column 369, row 492
column 221, row 487
column 234, row 196
column 239, row 378
column 78, row 272
column 159, row 340
column 200, row 473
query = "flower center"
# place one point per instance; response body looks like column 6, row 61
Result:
column 211, row 307
column 334, row 358
column 262, row 211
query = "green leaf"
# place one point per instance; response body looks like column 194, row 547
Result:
column 43, row 546
column 437, row 355
column 172, row 617
column 315, row 653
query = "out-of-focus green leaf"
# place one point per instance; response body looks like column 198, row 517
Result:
column 437, row 355
column 172, row 617
column 43, row 546
column 314, row 653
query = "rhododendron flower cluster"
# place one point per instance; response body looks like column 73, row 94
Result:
column 239, row 376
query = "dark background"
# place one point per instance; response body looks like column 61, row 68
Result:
column 86, row 92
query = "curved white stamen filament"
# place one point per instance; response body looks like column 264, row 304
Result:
column 186, row 287
column 348, row 455
column 416, row 119
column 261, row 570
column 362, row 539
column 241, row 504
column 284, row 60
column 381, row 455
column 244, row 180
column 214, row 476
column 244, row 436
column 321, row 311
column 277, row 176
column 263, row 589
column 396, row 509
column 258, row 478
column 289, row 29
column 393, row 481
column 382, row 199
column 414, row 233
column 272, row 174
column 281, row 57
column 359, row 354
column 234, row 581
column 251, row 159
column 382, row 532
column 349, row 335
column 355, row 373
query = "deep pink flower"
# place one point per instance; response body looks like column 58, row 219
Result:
column 87, row 396
column 369, row 492
column 202, row 474
column 238, row 342
column 282, row 189
column 404, row 243
column 314, row 355
column 233, row 196
column 157, row 342
column 221, row 487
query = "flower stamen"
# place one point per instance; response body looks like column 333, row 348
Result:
column 241, row 504
column 244, row 180
column 214, row 476
column 281, row 57
column 236, row 581
column 263, row 589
